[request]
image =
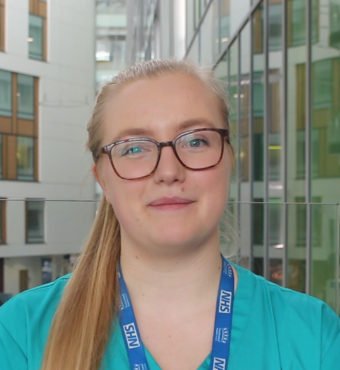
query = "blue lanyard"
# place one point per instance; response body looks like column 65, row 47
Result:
column 222, row 330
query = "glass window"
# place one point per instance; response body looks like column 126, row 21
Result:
column 258, row 159
column 322, row 84
column 258, row 94
column 245, row 104
column 215, row 28
column 1, row 26
column 25, row 97
column 0, row 156
column 258, row 221
column 225, row 23
column 334, row 15
column 275, row 25
column 5, row 93
column 274, row 157
column 35, row 221
column 298, row 22
column 36, row 37
column 25, row 158
column 207, row 38
column 300, row 154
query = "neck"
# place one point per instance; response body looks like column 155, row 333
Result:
column 189, row 277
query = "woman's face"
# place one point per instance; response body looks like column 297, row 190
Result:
column 162, row 108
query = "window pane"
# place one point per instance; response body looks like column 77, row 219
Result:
column 35, row 37
column 35, row 221
column 275, row 25
column 25, row 97
column 5, row 93
column 1, row 25
column 225, row 23
column 207, row 38
column 334, row 16
column 25, row 157
column 0, row 156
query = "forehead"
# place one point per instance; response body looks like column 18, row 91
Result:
column 160, row 104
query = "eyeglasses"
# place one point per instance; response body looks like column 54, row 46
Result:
column 196, row 150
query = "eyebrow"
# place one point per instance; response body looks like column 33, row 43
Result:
column 185, row 125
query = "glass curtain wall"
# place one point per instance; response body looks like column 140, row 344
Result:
column 282, row 74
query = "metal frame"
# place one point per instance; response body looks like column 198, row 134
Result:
column 284, row 142
column 266, row 140
column 308, row 148
column 251, row 137
column 238, row 136
column 337, row 260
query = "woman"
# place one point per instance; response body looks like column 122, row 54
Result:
column 159, row 135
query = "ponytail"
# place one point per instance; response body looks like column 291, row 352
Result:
column 79, row 332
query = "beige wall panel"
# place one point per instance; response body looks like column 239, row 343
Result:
column 11, row 157
column 42, row 7
column 36, row 107
column 3, row 221
column 25, row 127
column 2, row 21
column 36, row 160
column 33, row 7
column 320, row 118
column 5, row 124
column 258, row 125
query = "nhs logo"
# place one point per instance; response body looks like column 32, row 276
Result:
column 140, row 367
column 131, row 336
column 219, row 363
column 124, row 301
column 225, row 301
column 222, row 335
column 227, row 270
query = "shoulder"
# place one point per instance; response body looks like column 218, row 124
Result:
column 283, row 299
column 299, row 321
column 36, row 299
column 30, row 313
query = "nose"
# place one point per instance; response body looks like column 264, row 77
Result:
column 169, row 169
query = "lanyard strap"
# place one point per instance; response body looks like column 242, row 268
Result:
column 222, row 331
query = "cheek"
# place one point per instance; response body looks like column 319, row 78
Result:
column 125, row 198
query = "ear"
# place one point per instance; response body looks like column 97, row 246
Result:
column 97, row 176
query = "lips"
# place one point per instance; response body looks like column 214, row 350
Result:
column 170, row 201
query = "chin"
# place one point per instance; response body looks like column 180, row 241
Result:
column 177, row 240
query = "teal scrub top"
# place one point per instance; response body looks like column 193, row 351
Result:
column 273, row 329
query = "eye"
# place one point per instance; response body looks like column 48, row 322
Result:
column 193, row 141
column 132, row 150
column 197, row 142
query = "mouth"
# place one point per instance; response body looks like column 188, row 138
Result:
column 170, row 203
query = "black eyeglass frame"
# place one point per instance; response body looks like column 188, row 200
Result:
column 224, row 133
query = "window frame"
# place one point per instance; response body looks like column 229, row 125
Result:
column 14, row 126
column 3, row 219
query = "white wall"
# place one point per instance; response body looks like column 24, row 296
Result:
column 66, row 96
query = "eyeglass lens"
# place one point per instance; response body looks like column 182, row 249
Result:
column 196, row 150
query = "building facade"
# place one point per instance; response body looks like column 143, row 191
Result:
column 279, row 61
column 47, row 88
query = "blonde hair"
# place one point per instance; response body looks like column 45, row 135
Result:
column 84, row 319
